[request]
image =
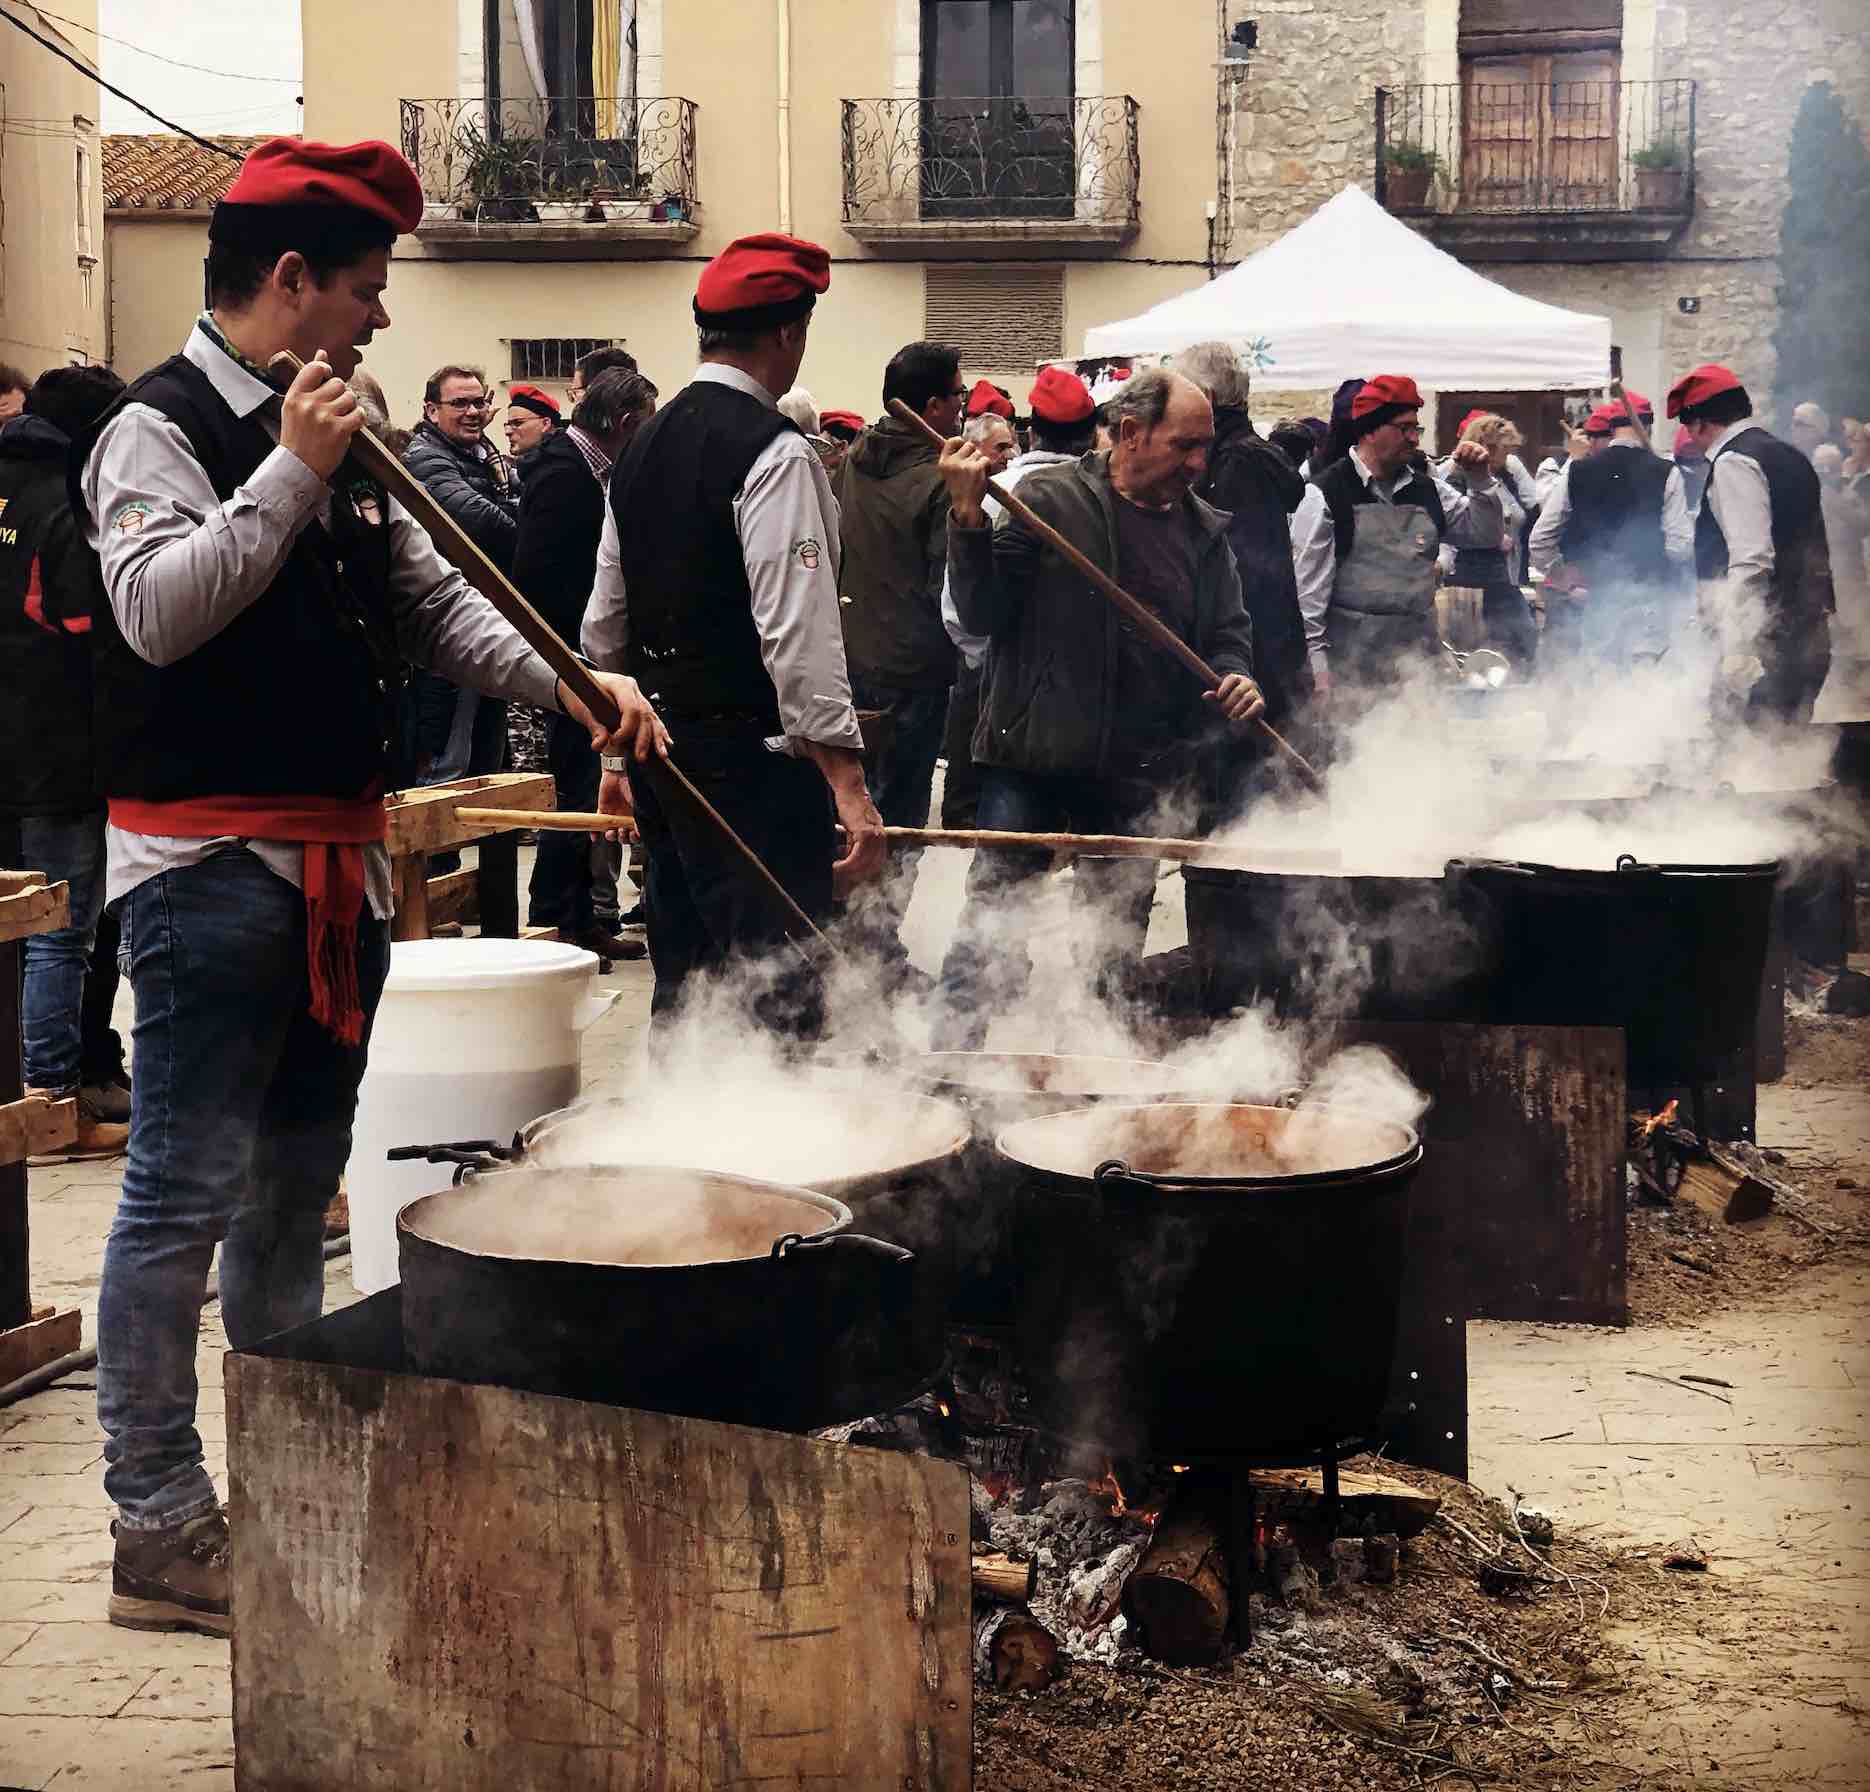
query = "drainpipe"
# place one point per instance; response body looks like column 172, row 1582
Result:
column 785, row 115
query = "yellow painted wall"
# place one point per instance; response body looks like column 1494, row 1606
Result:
column 155, row 288
column 1164, row 55
column 51, row 314
column 364, row 57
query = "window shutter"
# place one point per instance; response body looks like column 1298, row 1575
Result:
column 1001, row 319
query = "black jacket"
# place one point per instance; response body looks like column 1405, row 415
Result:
column 49, row 590
column 561, row 516
column 1259, row 489
column 1053, row 695
column 478, row 491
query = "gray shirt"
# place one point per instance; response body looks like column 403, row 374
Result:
column 1548, row 533
column 787, row 520
column 1738, row 602
column 179, row 566
column 1474, row 518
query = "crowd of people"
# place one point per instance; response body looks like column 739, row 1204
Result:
column 809, row 611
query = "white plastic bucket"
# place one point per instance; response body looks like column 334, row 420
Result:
column 473, row 1038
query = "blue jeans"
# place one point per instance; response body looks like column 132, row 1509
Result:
column 240, row 1124
column 902, row 784
column 987, row 969
column 68, row 849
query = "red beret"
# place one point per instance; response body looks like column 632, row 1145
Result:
column 1638, row 403
column 530, row 398
column 987, row 399
column 1469, row 418
column 1059, row 396
column 1707, row 381
column 1396, row 389
column 851, row 420
column 364, row 177
column 1604, row 419
column 757, row 282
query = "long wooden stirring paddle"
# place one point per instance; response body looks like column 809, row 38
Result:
column 1153, row 627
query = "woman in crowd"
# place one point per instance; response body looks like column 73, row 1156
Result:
column 1495, row 570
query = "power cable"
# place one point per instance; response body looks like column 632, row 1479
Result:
column 91, row 74
column 227, row 74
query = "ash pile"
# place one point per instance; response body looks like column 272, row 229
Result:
column 1408, row 1623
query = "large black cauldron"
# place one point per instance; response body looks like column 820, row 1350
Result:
column 1208, row 1281
column 673, row 1290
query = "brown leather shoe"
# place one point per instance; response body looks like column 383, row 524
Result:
column 172, row 1579
column 608, row 946
column 96, row 1136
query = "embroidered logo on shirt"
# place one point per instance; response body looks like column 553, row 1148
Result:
column 808, row 552
column 131, row 518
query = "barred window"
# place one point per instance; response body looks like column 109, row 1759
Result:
column 1000, row 318
column 554, row 357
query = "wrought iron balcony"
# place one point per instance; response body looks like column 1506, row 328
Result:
column 974, row 171
column 577, row 170
column 1510, row 170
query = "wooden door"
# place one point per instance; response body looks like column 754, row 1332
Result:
column 1539, row 131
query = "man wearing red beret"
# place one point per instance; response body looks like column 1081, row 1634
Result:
column 531, row 416
column 264, row 592
column 717, row 586
column 1365, row 539
column 985, row 399
column 1614, row 541
column 1762, row 563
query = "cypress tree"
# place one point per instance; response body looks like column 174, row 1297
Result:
column 1823, row 336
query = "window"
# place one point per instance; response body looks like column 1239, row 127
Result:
column 553, row 357
column 1000, row 319
column 1541, row 95
column 82, row 211
column 998, row 81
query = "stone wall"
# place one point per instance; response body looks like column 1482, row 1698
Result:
column 1305, row 110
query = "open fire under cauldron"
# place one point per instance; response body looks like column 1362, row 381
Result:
column 669, row 1289
column 1211, row 1282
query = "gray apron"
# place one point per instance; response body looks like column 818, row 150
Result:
column 1382, row 614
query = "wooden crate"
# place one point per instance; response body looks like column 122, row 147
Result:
column 439, row 1586
column 424, row 821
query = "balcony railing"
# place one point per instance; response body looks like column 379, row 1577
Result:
column 572, row 161
column 993, row 166
column 1555, row 149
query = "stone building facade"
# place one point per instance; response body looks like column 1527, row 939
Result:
column 1299, row 121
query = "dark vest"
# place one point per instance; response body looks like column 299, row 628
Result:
column 1801, row 587
column 297, row 695
column 1614, row 532
column 693, row 646
column 1345, row 490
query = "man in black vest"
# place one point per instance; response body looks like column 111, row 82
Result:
column 717, row 588
column 1365, row 539
column 1762, row 563
column 264, row 591
column 1613, row 540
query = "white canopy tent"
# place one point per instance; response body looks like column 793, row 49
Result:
column 1354, row 291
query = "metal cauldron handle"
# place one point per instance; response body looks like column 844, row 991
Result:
column 1113, row 1171
column 796, row 1244
column 467, row 1155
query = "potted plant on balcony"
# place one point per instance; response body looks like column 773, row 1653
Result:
column 503, row 178
column 1661, row 175
column 1408, row 172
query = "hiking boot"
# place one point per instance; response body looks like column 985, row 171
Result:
column 108, row 1101
column 96, row 1136
column 174, row 1578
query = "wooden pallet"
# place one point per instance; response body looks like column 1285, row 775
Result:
column 424, row 821
column 30, row 1336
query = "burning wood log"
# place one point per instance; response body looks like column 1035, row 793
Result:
column 1368, row 1502
column 1724, row 1189
column 1014, row 1651
column 1178, row 1598
column 998, row 1576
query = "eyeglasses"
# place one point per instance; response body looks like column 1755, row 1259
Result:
column 465, row 404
